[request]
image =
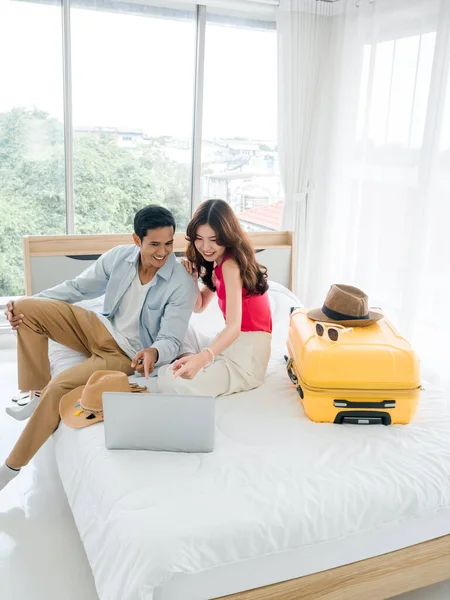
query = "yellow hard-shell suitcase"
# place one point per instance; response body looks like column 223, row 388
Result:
column 370, row 375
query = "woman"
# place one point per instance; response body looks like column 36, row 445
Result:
column 220, row 253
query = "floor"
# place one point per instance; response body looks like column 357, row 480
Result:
column 41, row 555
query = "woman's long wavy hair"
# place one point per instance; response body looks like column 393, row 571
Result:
column 229, row 233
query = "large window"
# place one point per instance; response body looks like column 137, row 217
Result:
column 239, row 147
column 133, row 92
column 32, row 198
column 105, row 119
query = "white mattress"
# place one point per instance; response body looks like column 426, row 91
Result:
column 280, row 497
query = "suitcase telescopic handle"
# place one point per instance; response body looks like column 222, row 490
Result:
column 360, row 417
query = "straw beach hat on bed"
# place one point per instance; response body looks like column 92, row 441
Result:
column 346, row 305
column 83, row 406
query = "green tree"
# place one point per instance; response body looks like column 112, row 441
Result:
column 110, row 184
column 31, row 188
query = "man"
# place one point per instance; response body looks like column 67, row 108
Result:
column 149, row 299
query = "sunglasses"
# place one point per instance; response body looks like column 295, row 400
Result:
column 331, row 330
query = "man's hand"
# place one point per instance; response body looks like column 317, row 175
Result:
column 15, row 320
column 144, row 361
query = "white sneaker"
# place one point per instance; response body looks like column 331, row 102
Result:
column 21, row 397
column 6, row 475
column 27, row 400
column 21, row 413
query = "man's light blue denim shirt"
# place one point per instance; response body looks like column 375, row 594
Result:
column 167, row 307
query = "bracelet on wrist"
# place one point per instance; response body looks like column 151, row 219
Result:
column 213, row 358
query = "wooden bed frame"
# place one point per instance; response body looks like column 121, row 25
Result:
column 94, row 245
column 376, row 578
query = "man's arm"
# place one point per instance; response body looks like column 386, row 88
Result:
column 90, row 284
column 174, row 322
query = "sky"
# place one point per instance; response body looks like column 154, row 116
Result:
column 138, row 72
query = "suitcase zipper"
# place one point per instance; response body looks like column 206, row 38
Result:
column 357, row 391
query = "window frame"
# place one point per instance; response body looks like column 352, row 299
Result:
column 196, row 139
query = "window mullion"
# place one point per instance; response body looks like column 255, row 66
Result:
column 68, row 131
column 198, row 109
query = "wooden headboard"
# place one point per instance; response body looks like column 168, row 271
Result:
column 50, row 260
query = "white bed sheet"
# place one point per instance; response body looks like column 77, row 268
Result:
column 280, row 497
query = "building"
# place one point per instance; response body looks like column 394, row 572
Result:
column 263, row 218
column 124, row 138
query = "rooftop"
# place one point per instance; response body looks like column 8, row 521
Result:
column 268, row 216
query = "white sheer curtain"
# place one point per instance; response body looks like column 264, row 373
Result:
column 379, row 198
column 303, row 30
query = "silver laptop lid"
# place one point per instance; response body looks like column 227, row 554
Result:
column 159, row 422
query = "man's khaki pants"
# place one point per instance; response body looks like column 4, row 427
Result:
column 75, row 328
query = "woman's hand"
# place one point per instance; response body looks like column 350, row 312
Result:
column 190, row 268
column 188, row 366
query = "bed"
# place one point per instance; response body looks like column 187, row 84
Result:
column 283, row 508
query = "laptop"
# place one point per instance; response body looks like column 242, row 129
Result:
column 159, row 422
